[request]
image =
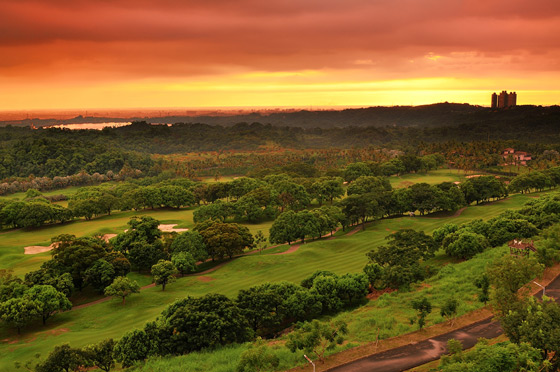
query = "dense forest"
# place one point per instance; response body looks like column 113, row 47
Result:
column 436, row 115
column 526, row 123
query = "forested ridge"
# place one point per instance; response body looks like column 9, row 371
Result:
column 525, row 123
column 435, row 115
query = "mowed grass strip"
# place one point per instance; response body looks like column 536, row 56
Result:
column 432, row 178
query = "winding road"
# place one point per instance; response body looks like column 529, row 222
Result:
column 413, row 355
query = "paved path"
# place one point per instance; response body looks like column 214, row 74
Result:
column 414, row 355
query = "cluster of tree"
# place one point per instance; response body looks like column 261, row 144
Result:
column 535, row 181
column 291, row 226
column 42, row 156
column 88, row 202
column 258, row 199
column 317, row 337
column 144, row 245
column 32, row 213
column 224, row 239
column 483, row 188
column 66, row 358
column 542, row 212
column 525, row 319
column 93, row 201
column 405, row 163
column 79, row 262
column 536, row 323
column 22, row 303
column 399, row 263
column 193, row 324
column 59, row 182
column 372, row 197
column 466, row 240
column 503, row 357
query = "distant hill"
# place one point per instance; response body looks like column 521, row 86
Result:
column 430, row 116
column 436, row 115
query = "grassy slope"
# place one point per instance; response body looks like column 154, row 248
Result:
column 13, row 241
column 68, row 191
column 433, row 177
column 387, row 316
column 110, row 319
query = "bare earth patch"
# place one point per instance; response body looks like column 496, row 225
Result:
column 107, row 237
column 404, row 184
column 58, row 331
column 376, row 293
column 292, row 249
column 205, row 279
column 352, row 232
column 171, row 228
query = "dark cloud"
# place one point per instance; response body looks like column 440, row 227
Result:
column 186, row 37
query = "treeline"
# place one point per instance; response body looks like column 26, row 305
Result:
column 249, row 199
column 193, row 324
column 528, row 124
column 260, row 310
column 94, row 262
column 402, row 260
column 466, row 240
column 81, row 179
column 536, row 181
column 43, row 156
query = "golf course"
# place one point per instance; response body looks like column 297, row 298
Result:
column 345, row 252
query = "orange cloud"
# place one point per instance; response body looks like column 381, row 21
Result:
column 87, row 48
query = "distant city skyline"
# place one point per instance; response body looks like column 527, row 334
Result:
column 249, row 53
column 504, row 100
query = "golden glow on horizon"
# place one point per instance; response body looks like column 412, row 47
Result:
column 277, row 89
column 278, row 53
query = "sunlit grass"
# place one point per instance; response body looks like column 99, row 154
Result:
column 341, row 255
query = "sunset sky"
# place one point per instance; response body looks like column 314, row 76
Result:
column 218, row 53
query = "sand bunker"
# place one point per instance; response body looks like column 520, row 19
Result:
column 171, row 228
column 107, row 237
column 34, row 249
column 168, row 228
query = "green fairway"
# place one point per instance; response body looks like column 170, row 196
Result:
column 68, row 191
column 432, row 177
column 12, row 242
column 111, row 319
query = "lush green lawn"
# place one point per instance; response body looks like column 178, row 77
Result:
column 387, row 316
column 432, row 177
column 68, row 191
column 12, row 242
column 111, row 319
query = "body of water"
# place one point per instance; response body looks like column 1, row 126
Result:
column 97, row 126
